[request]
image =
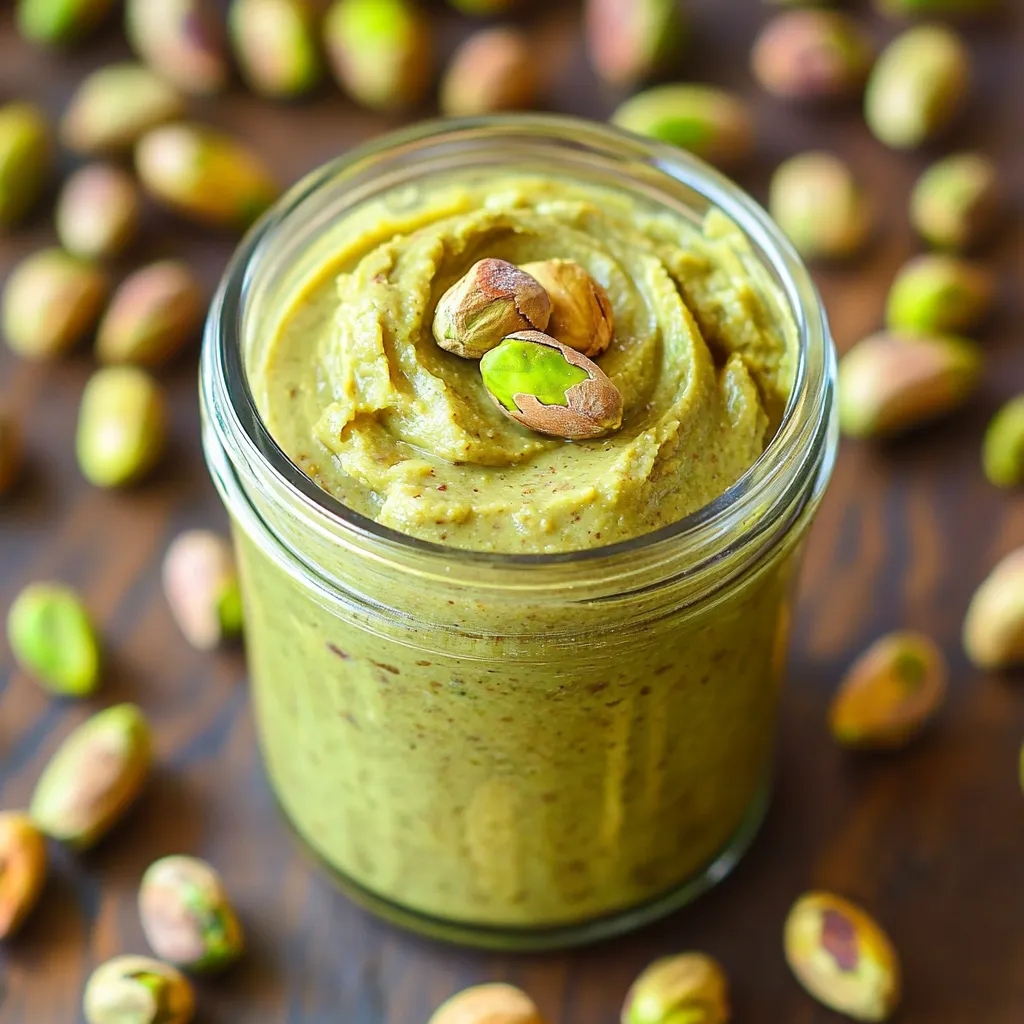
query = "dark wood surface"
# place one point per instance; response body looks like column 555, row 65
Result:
column 931, row 840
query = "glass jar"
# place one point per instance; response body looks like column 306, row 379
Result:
column 517, row 751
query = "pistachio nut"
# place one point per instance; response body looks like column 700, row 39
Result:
column 152, row 315
column 482, row 7
column 276, row 46
column 201, row 586
column 138, row 990
column 711, row 123
column 550, row 387
column 938, row 293
column 937, row 8
column 890, row 383
column 53, row 639
column 25, row 160
column 98, row 212
column 630, row 40
column 817, row 202
column 22, row 869
column 116, row 105
column 1002, row 451
column 489, row 302
column 488, row 1004
column 842, row 957
column 50, row 302
column 494, row 69
column 581, row 312
column 381, row 51
column 55, row 22
column 94, row 777
column 993, row 631
column 690, row 988
column 889, row 692
column 918, row 86
column 182, row 40
column 121, row 426
column 957, row 201
column 10, row 452
column 812, row 55
column 204, row 175
column 187, row 916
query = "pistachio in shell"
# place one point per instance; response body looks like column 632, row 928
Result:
column 22, row 869
column 956, row 203
column 690, row 988
column 581, row 312
column 937, row 293
column 25, row 160
column 488, row 1004
column 1002, row 451
column 276, row 45
column 494, row 69
column 98, row 212
column 993, row 631
column 58, row 22
column 94, row 777
column 138, row 990
column 10, row 452
column 630, row 40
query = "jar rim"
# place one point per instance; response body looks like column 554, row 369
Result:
column 807, row 426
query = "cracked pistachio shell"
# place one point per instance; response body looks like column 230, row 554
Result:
column 890, row 383
column 939, row 294
column 98, row 212
column 55, row 22
column 50, row 302
column 94, row 777
column 138, row 990
column 22, row 869
column 10, row 452
column 630, row 40
column 276, row 45
column 993, row 632
column 1002, row 452
column 488, row 1004
column 53, row 639
column 690, row 988
column 842, row 957
column 581, row 312
column 494, row 69
column 25, row 160
column 890, row 692
column 187, row 916
column 957, row 201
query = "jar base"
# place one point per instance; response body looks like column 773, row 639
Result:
column 581, row 933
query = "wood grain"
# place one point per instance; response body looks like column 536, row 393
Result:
column 931, row 840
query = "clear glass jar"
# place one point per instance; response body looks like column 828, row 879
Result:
column 507, row 750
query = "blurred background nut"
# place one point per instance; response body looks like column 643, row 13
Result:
column 25, row 160
column 939, row 294
column 10, row 452
column 488, row 1004
column 630, row 40
column 493, row 70
column 993, row 631
column 276, row 44
column 137, row 990
column 23, row 874
column 98, row 212
column 483, row 7
column 690, row 987
column 1003, row 448
column 60, row 21
column 937, row 8
column 957, row 201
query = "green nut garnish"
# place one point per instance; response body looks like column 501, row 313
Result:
column 1002, row 452
column 187, row 916
column 629, row 40
column 138, row 990
column 550, row 387
column 60, row 21
column 25, row 160
column 687, row 989
column 53, row 639
column 957, row 201
column 98, row 212
column 94, row 777
column 939, row 294
column 488, row 1004
column 10, row 452
column 993, row 631
column 22, row 869
column 275, row 42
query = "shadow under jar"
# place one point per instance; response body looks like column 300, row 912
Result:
column 496, row 727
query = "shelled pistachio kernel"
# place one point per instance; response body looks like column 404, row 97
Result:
column 941, row 294
column 494, row 69
column 488, row 1004
column 98, row 212
column 276, row 45
column 631, row 40
column 137, row 990
column 956, row 202
column 1002, row 452
column 690, row 987
column 993, row 630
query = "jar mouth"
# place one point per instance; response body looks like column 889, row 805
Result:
column 802, row 449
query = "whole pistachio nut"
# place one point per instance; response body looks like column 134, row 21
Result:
column 187, row 916
column 957, row 201
column 53, row 639
column 10, row 452
column 690, row 988
column 121, row 426
column 630, row 40
column 22, row 869
column 381, row 51
column 25, row 160
column 153, row 314
column 1002, row 451
column 937, row 8
column 201, row 585
column 60, row 21
column 917, row 86
column 494, row 69
column 483, row 8
column 94, row 777
column 890, row 383
column 98, row 212
column 276, row 44
column 488, row 1004
column 182, row 40
column 711, row 123
column 812, row 55
column 116, row 105
column 842, row 957
column 817, row 202
column 550, row 387
column 492, row 300
column 993, row 631
column 138, row 990
column 204, row 175
column 581, row 312
column 937, row 293
column 890, row 692
column 50, row 302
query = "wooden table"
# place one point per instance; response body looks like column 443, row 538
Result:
column 932, row 840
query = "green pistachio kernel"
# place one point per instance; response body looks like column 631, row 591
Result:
column 522, row 367
column 1002, row 453
column 939, row 294
column 957, row 201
